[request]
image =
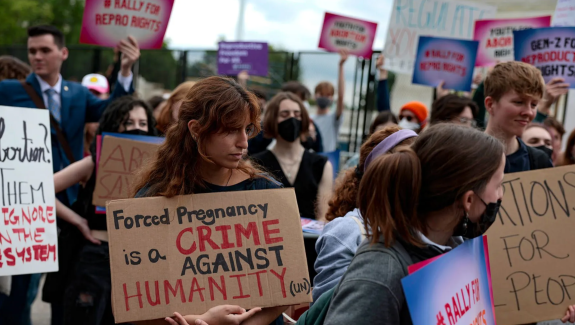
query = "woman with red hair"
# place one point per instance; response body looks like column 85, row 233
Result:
column 204, row 153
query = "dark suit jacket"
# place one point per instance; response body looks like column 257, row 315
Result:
column 78, row 106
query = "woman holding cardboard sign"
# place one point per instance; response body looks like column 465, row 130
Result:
column 124, row 115
column 204, row 153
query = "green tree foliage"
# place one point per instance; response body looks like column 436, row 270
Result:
column 159, row 66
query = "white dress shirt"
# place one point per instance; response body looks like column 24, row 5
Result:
column 124, row 81
column 453, row 242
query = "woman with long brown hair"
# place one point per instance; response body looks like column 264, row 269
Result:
column 344, row 233
column 204, row 153
column 419, row 201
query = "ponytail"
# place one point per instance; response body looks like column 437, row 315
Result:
column 345, row 196
column 388, row 197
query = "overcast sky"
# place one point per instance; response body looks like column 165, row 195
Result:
column 291, row 24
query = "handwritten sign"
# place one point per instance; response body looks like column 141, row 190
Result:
column 551, row 50
column 440, row 18
column 531, row 247
column 444, row 59
column 234, row 57
column 495, row 37
column 460, row 292
column 106, row 22
column 346, row 33
column 190, row 253
column 564, row 13
column 119, row 159
column 28, row 233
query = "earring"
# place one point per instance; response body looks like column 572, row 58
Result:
column 465, row 222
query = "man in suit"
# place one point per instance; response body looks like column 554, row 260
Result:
column 72, row 105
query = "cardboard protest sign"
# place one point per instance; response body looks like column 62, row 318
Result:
column 564, row 13
column 346, row 33
column 459, row 292
column 106, row 22
column 119, row 159
column 190, row 253
column 445, row 59
column 439, row 18
column 495, row 37
column 234, row 57
column 551, row 50
column 531, row 246
column 141, row 138
column 28, row 233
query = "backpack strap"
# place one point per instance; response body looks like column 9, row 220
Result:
column 59, row 133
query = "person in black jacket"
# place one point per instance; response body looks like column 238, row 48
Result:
column 513, row 91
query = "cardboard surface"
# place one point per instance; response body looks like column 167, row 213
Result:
column 532, row 246
column 106, row 22
column 439, row 18
column 190, row 253
column 452, row 289
column 28, row 233
column 551, row 50
column 346, row 33
column 445, row 59
column 119, row 159
column 495, row 37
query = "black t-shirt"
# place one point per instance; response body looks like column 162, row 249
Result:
column 519, row 160
column 526, row 159
column 307, row 180
column 247, row 185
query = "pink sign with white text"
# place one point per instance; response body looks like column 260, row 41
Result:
column 106, row 22
column 495, row 37
column 346, row 33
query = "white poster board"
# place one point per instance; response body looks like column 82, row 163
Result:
column 28, row 234
column 564, row 13
column 439, row 18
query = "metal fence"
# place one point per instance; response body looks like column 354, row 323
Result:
column 165, row 69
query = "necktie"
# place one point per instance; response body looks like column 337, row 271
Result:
column 53, row 106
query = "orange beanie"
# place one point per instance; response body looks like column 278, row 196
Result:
column 419, row 109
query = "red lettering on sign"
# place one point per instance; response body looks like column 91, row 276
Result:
column 268, row 232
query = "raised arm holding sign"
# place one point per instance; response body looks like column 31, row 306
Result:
column 107, row 22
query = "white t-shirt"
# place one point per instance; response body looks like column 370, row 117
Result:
column 328, row 125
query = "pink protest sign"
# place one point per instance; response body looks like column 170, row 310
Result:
column 354, row 35
column 495, row 37
column 106, row 22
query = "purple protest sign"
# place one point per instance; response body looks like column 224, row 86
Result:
column 234, row 57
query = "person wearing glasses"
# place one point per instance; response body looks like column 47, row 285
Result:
column 413, row 116
column 454, row 109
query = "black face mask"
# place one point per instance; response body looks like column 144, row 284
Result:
column 135, row 132
column 471, row 230
column 546, row 150
column 290, row 129
column 323, row 102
